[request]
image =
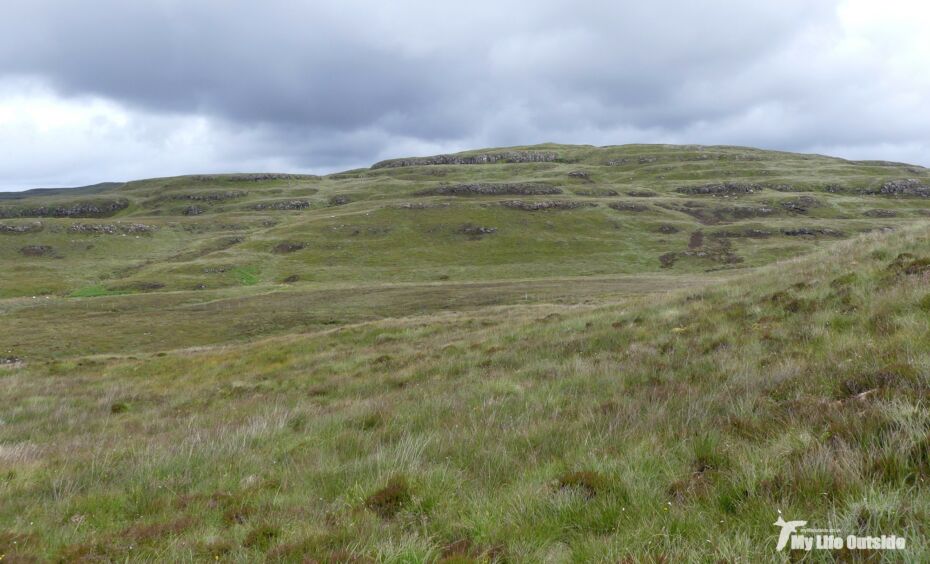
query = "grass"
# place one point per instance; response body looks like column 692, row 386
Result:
column 94, row 291
column 389, row 233
column 511, row 413
column 390, row 499
column 634, row 431
column 247, row 275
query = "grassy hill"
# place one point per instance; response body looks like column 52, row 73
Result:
column 547, row 353
column 303, row 253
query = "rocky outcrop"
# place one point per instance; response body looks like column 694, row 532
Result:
column 476, row 231
column 282, row 205
column 287, row 247
column 801, row 204
column 629, row 160
column 34, row 227
column 908, row 188
column 624, row 161
column 744, row 212
column 36, row 251
column 667, row 260
column 580, row 174
column 112, row 229
column 98, row 208
column 727, row 188
column 696, row 240
column 339, row 200
column 481, row 189
column 710, row 215
column 596, row 192
column 252, row 177
column 747, row 233
column 628, row 206
column 879, row 163
column 719, row 251
column 209, row 196
column 481, row 158
column 546, row 205
column 812, row 232
column 880, row 213
column 11, row 362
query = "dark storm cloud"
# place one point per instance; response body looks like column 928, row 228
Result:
column 329, row 84
column 248, row 64
column 328, row 66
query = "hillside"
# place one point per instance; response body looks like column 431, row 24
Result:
column 409, row 236
column 636, row 353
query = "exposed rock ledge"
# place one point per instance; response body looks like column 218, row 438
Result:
column 481, row 158
column 479, row 189
column 909, row 187
column 546, row 205
column 33, row 227
column 111, row 229
column 720, row 189
column 98, row 208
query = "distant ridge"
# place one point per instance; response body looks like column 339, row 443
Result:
column 91, row 189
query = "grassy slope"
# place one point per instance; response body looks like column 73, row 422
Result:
column 371, row 238
column 800, row 389
column 570, row 424
column 225, row 257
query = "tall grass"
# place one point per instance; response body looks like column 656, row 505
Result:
column 663, row 429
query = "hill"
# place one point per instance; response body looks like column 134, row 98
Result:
column 221, row 257
column 536, row 353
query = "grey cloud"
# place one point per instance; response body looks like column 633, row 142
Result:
column 324, row 84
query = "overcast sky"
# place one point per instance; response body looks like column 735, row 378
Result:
column 117, row 90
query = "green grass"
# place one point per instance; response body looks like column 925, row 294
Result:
column 379, row 236
column 545, row 392
column 94, row 291
column 638, row 430
column 247, row 275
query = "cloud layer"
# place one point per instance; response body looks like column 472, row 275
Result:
column 118, row 90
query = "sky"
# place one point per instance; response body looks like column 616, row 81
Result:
column 105, row 90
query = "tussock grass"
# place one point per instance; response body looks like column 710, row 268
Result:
column 636, row 432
